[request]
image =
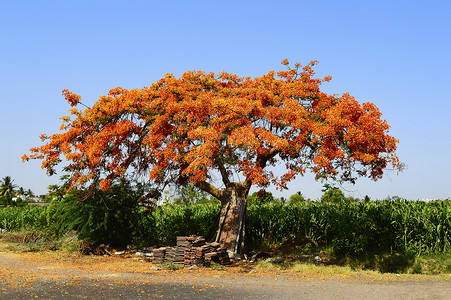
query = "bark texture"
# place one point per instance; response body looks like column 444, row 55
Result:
column 231, row 231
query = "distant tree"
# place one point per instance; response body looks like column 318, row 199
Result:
column 189, row 194
column 202, row 127
column 297, row 198
column 7, row 189
column 21, row 191
column 332, row 194
column 30, row 193
column 393, row 198
column 353, row 199
column 261, row 197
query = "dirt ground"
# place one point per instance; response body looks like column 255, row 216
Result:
column 54, row 275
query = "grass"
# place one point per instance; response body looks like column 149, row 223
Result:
column 376, row 265
column 33, row 241
column 432, row 264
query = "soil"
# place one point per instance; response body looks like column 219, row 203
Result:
column 55, row 275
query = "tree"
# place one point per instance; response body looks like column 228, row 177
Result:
column 189, row 194
column 21, row 191
column 221, row 133
column 261, row 197
column 30, row 193
column 7, row 189
column 297, row 198
column 333, row 194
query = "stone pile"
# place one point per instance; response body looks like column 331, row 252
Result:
column 180, row 250
column 193, row 254
column 190, row 251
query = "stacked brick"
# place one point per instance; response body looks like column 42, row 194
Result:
column 193, row 254
column 159, row 255
column 192, row 250
column 179, row 257
column 170, row 253
column 217, row 255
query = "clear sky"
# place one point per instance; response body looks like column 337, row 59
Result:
column 396, row 54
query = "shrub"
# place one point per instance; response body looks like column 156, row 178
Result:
column 106, row 217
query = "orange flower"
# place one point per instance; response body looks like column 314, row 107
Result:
column 190, row 127
column 105, row 184
column 72, row 98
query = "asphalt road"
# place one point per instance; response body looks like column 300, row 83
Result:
column 35, row 276
column 128, row 286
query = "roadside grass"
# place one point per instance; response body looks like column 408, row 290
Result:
column 322, row 271
column 34, row 241
column 374, row 266
column 432, row 264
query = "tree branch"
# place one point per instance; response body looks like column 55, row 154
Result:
column 223, row 171
column 209, row 188
column 261, row 162
column 263, row 159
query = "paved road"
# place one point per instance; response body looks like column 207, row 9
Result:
column 35, row 277
column 102, row 289
column 126, row 286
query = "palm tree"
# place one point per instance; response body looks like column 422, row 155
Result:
column 7, row 189
column 30, row 193
column 21, row 191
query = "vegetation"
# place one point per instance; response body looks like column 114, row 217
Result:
column 393, row 235
column 23, row 218
column 353, row 228
column 346, row 228
column 296, row 198
column 7, row 190
column 181, row 130
column 13, row 195
column 105, row 217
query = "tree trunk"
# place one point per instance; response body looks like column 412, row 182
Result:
column 230, row 233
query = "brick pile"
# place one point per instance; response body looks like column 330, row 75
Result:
column 159, row 255
column 192, row 251
column 170, row 253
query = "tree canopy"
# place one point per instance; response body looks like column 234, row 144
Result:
column 181, row 129
column 221, row 132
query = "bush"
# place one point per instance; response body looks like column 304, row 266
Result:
column 106, row 217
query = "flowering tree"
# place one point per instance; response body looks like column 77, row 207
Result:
column 221, row 132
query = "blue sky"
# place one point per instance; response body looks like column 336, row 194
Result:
column 396, row 54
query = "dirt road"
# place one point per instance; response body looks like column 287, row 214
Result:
column 53, row 276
